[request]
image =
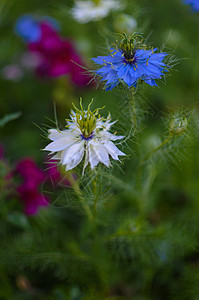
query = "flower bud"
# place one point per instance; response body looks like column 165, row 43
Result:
column 178, row 126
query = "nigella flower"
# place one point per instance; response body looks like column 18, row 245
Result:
column 129, row 62
column 87, row 134
column 93, row 10
column 193, row 3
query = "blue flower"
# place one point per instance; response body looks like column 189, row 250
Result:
column 28, row 28
column 128, row 64
column 194, row 3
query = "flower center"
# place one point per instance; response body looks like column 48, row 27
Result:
column 129, row 45
column 128, row 48
column 129, row 57
column 88, row 137
column 86, row 121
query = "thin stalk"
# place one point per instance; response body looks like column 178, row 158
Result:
column 155, row 149
column 133, row 107
column 78, row 192
column 147, row 157
column 94, row 184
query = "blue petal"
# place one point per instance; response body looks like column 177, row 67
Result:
column 150, row 81
column 28, row 28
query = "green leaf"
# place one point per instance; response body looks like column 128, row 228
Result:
column 9, row 117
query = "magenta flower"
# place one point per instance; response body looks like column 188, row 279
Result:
column 58, row 56
column 29, row 189
column 54, row 176
column 1, row 152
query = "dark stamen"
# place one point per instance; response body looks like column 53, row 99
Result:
column 87, row 138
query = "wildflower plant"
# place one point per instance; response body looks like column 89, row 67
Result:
column 129, row 62
column 88, row 135
column 114, row 215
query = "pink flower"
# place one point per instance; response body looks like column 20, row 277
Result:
column 54, row 176
column 58, row 56
column 1, row 152
column 12, row 72
column 29, row 189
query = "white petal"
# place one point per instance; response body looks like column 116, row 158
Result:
column 60, row 144
column 101, row 153
column 54, row 134
column 93, row 159
column 109, row 136
column 73, row 153
column 75, row 160
column 113, row 150
column 86, row 161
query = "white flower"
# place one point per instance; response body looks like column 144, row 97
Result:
column 88, row 135
column 93, row 10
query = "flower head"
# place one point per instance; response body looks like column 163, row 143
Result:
column 87, row 133
column 193, row 3
column 93, row 10
column 129, row 62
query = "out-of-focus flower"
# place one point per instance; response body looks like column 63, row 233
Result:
column 87, row 133
column 30, row 60
column 125, row 23
column 129, row 62
column 29, row 189
column 28, row 28
column 194, row 4
column 56, row 56
column 12, row 72
column 93, row 10
column 54, row 175
column 1, row 152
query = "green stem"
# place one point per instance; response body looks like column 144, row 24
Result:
column 78, row 192
column 155, row 149
column 94, row 183
column 147, row 157
column 133, row 107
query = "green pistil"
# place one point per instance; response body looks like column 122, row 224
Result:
column 86, row 120
column 97, row 2
column 128, row 45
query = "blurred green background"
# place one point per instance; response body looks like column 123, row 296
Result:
column 144, row 241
